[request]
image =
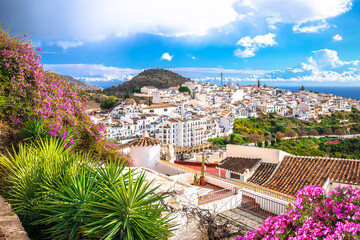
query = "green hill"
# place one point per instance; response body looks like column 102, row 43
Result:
column 160, row 78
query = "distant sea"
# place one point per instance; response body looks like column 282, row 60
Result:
column 348, row 92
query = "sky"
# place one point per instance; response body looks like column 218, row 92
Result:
column 106, row 42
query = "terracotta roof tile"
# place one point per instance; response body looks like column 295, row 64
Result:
column 296, row 172
column 262, row 173
column 238, row 165
column 144, row 141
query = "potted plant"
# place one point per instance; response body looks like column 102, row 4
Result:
column 196, row 180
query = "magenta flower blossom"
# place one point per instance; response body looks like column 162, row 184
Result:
column 315, row 216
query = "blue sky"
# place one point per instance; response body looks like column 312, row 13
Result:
column 105, row 42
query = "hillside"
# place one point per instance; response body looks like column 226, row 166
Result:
column 81, row 85
column 160, row 78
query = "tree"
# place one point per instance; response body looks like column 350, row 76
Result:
column 108, row 102
column 302, row 88
column 279, row 135
column 353, row 132
column 302, row 132
column 328, row 131
column 313, row 132
column 266, row 143
column 128, row 95
column 290, row 132
column 184, row 89
column 279, row 128
column 260, row 144
column 340, row 131
column 136, row 89
column 259, row 83
column 255, row 137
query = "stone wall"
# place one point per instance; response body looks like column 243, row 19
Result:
column 10, row 225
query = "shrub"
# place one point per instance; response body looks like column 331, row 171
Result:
column 61, row 194
column 33, row 93
column 315, row 216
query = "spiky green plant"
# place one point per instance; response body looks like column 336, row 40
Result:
column 130, row 210
column 26, row 170
column 34, row 130
column 66, row 208
column 61, row 194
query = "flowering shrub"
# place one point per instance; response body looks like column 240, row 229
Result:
column 34, row 93
column 315, row 216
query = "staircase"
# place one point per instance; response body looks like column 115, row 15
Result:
column 249, row 204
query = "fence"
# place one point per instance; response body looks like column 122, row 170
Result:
column 262, row 205
column 217, row 195
column 256, row 188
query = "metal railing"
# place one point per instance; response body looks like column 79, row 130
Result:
column 256, row 188
column 217, row 195
column 261, row 205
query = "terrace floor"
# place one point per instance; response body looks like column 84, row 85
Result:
column 197, row 166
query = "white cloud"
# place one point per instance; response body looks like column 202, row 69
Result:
column 323, row 66
column 337, row 38
column 85, row 20
column 251, row 45
column 167, row 57
column 297, row 11
column 95, row 73
column 310, row 27
column 67, row 44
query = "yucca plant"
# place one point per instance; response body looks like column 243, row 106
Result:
column 65, row 210
column 61, row 194
column 27, row 169
column 129, row 210
column 34, row 130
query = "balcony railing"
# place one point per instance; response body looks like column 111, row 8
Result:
column 217, row 195
column 261, row 205
column 258, row 189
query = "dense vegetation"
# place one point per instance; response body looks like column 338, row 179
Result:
column 315, row 216
column 39, row 100
column 184, row 89
column 62, row 177
column 346, row 148
column 160, row 78
column 268, row 128
column 59, row 193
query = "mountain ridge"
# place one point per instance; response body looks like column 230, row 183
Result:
column 81, row 85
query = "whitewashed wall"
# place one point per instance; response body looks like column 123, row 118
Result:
column 145, row 156
column 268, row 155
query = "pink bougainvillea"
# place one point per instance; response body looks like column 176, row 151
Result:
column 35, row 93
column 315, row 216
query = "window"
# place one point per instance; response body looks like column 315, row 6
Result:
column 235, row 176
column 165, row 109
column 152, row 110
